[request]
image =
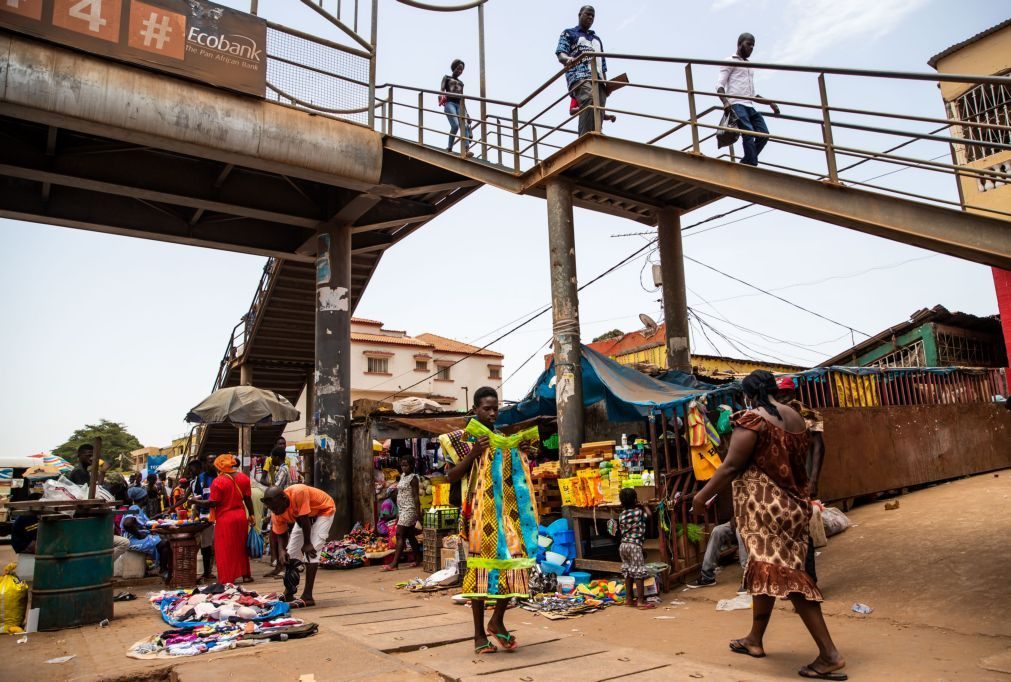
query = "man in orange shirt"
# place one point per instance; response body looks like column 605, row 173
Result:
column 307, row 513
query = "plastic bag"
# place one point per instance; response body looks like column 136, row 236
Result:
column 725, row 138
column 13, row 600
column 254, row 544
column 63, row 488
column 835, row 521
column 817, row 528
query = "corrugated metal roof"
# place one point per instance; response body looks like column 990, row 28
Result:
column 932, row 62
column 938, row 314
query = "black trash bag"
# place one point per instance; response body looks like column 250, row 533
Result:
column 725, row 138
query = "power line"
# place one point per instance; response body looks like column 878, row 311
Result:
column 605, row 273
column 779, row 298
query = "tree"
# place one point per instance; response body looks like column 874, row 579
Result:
column 116, row 441
column 613, row 334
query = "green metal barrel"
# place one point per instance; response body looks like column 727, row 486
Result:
column 73, row 570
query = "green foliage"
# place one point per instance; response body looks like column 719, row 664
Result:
column 694, row 532
column 613, row 334
column 116, row 441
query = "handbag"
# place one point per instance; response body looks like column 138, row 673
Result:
column 725, row 138
column 254, row 544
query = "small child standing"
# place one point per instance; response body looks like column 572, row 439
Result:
column 632, row 527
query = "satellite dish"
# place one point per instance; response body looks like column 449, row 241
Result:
column 649, row 323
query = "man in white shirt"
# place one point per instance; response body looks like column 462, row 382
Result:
column 736, row 88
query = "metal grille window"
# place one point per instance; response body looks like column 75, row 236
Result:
column 494, row 372
column 986, row 103
column 316, row 74
column 912, row 355
column 442, row 373
column 966, row 351
column 421, row 365
column 379, row 365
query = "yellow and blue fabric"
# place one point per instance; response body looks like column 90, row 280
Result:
column 499, row 517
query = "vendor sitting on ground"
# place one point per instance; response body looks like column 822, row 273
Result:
column 722, row 536
column 307, row 514
column 134, row 528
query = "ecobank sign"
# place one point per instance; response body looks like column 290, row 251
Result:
column 192, row 38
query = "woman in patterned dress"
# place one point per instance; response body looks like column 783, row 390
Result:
column 767, row 464
column 498, row 519
column 409, row 506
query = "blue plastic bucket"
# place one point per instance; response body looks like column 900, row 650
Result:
column 582, row 577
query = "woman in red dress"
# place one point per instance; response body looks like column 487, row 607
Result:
column 232, row 509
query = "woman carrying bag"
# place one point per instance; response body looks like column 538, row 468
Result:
column 232, row 511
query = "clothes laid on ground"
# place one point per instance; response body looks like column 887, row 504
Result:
column 215, row 603
column 773, row 512
column 219, row 637
column 499, row 518
column 231, row 526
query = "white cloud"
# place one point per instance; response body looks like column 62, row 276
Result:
column 819, row 25
column 634, row 16
column 718, row 5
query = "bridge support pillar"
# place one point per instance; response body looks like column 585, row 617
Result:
column 332, row 376
column 565, row 321
column 245, row 432
column 675, row 297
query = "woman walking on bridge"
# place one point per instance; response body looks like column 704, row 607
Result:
column 453, row 104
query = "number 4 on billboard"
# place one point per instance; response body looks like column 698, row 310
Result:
column 89, row 11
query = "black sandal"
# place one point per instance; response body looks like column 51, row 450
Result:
column 812, row 674
column 738, row 648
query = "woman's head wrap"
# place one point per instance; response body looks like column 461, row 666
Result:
column 136, row 493
column 226, row 463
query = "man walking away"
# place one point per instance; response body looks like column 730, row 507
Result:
column 736, row 88
column 572, row 45
column 307, row 513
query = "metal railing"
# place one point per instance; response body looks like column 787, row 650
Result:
column 819, row 131
column 243, row 330
column 885, row 387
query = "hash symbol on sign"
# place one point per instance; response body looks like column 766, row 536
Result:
column 157, row 30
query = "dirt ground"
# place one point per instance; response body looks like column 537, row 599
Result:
column 934, row 570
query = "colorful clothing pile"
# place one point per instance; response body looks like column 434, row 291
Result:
column 218, row 637
column 339, row 554
column 215, row 603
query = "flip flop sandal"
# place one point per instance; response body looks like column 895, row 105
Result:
column 647, row 606
column 738, row 648
column 486, row 648
column 124, row 596
column 812, row 674
column 509, row 642
column 299, row 604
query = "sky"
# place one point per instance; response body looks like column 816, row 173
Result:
column 133, row 330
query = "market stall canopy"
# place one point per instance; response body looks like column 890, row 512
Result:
column 243, row 406
column 628, row 394
column 54, row 461
column 171, row 464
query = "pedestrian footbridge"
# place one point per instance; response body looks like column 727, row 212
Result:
column 96, row 144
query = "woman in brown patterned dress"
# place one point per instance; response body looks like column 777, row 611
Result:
column 767, row 464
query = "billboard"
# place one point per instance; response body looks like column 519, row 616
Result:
column 193, row 38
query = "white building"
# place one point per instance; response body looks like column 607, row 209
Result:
column 386, row 363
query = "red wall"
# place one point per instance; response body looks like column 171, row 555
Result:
column 1002, row 283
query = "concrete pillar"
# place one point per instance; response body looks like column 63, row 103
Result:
column 675, row 297
column 332, row 378
column 565, row 321
column 245, row 432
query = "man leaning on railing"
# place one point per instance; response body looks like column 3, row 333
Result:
column 572, row 45
column 736, row 88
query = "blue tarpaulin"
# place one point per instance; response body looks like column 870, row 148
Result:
column 628, row 394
